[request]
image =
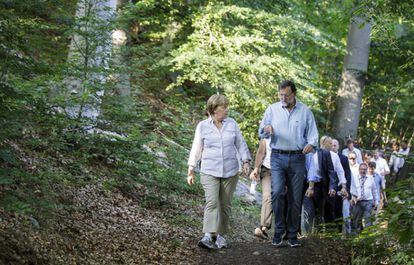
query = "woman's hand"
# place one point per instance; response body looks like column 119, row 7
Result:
column 332, row 193
column 191, row 175
column 253, row 175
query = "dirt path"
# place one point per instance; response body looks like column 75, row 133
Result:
column 313, row 251
column 112, row 228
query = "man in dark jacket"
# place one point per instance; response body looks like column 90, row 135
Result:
column 322, row 183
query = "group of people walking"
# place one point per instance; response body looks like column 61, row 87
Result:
column 303, row 185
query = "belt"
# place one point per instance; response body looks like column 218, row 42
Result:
column 287, row 152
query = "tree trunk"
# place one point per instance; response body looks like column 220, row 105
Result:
column 349, row 98
column 89, row 54
column 120, row 58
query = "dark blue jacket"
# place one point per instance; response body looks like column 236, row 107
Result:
column 345, row 164
column 327, row 172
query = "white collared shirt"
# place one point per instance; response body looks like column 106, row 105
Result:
column 354, row 169
column 368, row 192
column 396, row 161
column 292, row 130
column 266, row 160
column 382, row 166
column 338, row 168
column 313, row 171
column 218, row 150
column 346, row 151
column 404, row 153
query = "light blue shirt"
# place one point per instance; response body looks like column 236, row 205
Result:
column 313, row 168
column 380, row 184
column 310, row 167
column 219, row 150
column 291, row 130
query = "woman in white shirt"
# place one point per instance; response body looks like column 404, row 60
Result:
column 218, row 143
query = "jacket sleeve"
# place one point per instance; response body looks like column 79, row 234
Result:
column 333, row 179
column 348, row 176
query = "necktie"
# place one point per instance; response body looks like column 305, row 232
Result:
column 362, row 187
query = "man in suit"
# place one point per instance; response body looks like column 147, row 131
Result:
column 322, row 183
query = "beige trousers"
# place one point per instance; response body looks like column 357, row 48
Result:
column 218, row 194
column 266, row 213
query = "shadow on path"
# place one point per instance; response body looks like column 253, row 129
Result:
column 312, row 251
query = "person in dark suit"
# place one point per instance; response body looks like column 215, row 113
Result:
column 342, row 204
column 322, row 183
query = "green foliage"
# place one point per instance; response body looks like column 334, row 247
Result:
column 181, row 52
column 388, row 98
column 392, row 239
column 245, row 51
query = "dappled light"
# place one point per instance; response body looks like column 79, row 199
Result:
column 179, row 132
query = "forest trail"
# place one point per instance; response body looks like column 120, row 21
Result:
column 113, row 228
column 312, row 251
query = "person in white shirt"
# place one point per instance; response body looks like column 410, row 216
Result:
column 218, row 143
column 326, row 143
column 364, row 197
column 382, row 165
column 351, row 148
column 396, row 161
column 324, row 201
column 343, row 201
column 380, row 184
column 262, row 172
column 352, row 158
column 405, row 150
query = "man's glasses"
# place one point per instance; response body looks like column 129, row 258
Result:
column 352, row 158
column 285, row 95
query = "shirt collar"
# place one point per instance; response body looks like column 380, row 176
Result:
column 210, row 120
column 297, row 104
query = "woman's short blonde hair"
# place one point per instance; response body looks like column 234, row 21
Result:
column 215, row 101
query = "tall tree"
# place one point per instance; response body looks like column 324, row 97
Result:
column 120, row 56
column 349, row 98
column 89, row 54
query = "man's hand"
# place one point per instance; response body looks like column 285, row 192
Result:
column 332, row 193
column 254, row 174
column 309, row 192
column 191, row 175
column 307, row 149
column 268, row 129
column 344, row 192
column 354, row 200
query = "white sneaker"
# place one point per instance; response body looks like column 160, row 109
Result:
column 261, row 233
column 206, row 242
column 221, row 242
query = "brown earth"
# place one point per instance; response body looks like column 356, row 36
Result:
column 113, row 227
